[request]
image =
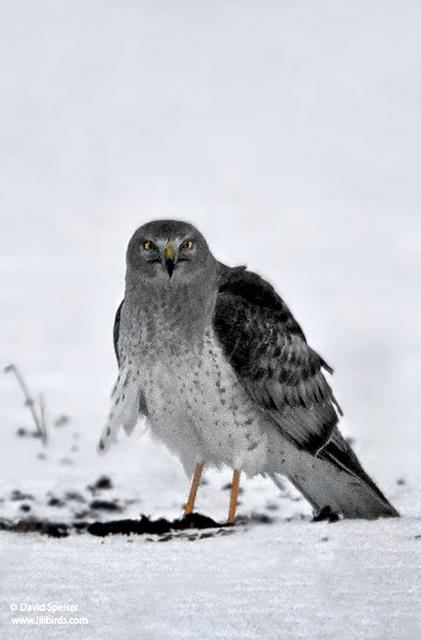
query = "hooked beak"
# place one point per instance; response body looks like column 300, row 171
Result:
column 169, row 255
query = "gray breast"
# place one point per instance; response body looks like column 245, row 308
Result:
column 198, row 408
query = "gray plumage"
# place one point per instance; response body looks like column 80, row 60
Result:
column 214, row 361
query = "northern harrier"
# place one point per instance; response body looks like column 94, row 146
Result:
column 214, row 360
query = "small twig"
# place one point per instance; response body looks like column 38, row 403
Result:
column 41, row 401
column 29, row 402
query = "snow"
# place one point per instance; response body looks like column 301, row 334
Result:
column 290, row 136
column 286, row 581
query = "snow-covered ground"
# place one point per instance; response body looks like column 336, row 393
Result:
column 290, row 135
column 284, row 581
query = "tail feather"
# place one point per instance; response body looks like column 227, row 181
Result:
column 336, row 480
column 125, row 411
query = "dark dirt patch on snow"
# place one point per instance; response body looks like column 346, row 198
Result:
column 33, row 525
column 158, row 527
column 187, row 527
column 105, row 505
column 162, row 527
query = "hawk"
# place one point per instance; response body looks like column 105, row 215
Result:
column 214, row 360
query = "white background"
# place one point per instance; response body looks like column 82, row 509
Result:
column 289, row 132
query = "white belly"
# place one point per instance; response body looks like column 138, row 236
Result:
column 198, row 408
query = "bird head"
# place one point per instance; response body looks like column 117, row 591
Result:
column 169, row 252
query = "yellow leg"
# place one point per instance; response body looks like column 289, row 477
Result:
column 189, row 506
column 234, row 495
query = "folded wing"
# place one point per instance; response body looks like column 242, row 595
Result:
column 270, row 354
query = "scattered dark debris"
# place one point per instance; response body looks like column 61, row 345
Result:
column 324, row 539
column 103, row 482
column 19, row 495
column 32, row 525
column 290, row 497
column 296, row 517
column 62, row 421
column 41, row 456
column 418, row 537
column 66, row 461
column 261, row 518
column 27, row 433
column 228, row 487
column 326, row 514
column 105, row 505
column 401, row 482
column 272, row 506
column 25, row 507
column 74, row 448
column 75, row 496
column 189, row 527
column 55, row 502
column 168, row 536
column 81, row 515
column 165, row 529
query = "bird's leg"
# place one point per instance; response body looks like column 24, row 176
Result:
column 234, row 495
column 189, row 506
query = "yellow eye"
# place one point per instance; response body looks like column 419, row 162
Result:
column 148, row 245
column 188, row 244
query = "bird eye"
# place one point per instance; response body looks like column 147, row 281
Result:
column 188, row 244
column 148, row 245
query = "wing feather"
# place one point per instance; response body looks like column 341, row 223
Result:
column 116, row 331
column 128, row 400
column 269, row 352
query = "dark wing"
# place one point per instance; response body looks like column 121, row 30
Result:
column 269, row 352
column 116, row 331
